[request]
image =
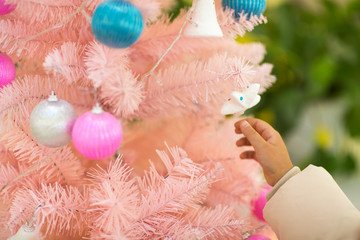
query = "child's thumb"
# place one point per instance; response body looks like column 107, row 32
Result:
column 251, row 134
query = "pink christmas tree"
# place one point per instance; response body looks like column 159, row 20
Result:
column 167, row 89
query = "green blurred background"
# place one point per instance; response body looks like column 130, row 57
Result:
column 314, row 46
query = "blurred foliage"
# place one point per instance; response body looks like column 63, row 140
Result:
column 343, row 164
column 316, row 57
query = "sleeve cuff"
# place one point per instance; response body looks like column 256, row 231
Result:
column 292, row 172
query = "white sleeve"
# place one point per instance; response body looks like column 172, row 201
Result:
column 310, row 205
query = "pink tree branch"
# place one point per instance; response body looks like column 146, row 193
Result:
column 62, row 209
column 66, row 61
column 195, row 86
column 114, row 198
column 217, row 223
column 232, row 27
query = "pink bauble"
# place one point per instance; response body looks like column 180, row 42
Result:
column 259, row 203
column 6, row 8
column 97, row 134
column 7, row 70
column 258, row 237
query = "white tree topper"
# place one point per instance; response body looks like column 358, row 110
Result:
column 204, row 21
column 240, row 101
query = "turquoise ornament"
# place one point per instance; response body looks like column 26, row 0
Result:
column 249, row 7
column 117, row 23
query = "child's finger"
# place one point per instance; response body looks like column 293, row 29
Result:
column 237, row 125
column 263, row 128
column 252, row 135
column 248, row 155
column 243, row 142
column 238, row 130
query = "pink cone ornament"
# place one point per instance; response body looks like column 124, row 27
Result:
column 6, row 8
column 7, row 70
column 259, row 203
column 258, row 237
column 97, row 134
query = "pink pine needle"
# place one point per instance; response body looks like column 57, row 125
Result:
column 195, row 86
column 217, row 223
column 114, row 198
column 57, row 209
column 67, row 62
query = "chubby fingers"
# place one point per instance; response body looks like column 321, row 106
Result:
column 254, row 138
column 248, row 155
column 264, row 129
column 243, row 142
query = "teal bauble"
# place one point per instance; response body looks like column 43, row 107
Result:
column 117, row 23
column 249, row 7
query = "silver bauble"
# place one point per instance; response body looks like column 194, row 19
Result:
column 51, row 122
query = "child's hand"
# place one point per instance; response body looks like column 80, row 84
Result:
column 270, row 150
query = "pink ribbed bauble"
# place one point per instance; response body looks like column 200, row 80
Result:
column 259, row 203
column 7, row 70
column 258, row 237
column 6, row 8
column 97, row 134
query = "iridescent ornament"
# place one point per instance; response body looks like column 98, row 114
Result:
column 259, row 203
column 117, row 23
column 6, row 8
column 7, row 70
column 249, row 7
column 51, row 122
column 97, row 134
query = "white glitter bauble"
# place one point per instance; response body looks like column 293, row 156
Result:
column 51, row 122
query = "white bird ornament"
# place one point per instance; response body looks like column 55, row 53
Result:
column 240, row 101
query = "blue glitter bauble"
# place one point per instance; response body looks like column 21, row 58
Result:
column 249, row 7
column 117, row 23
